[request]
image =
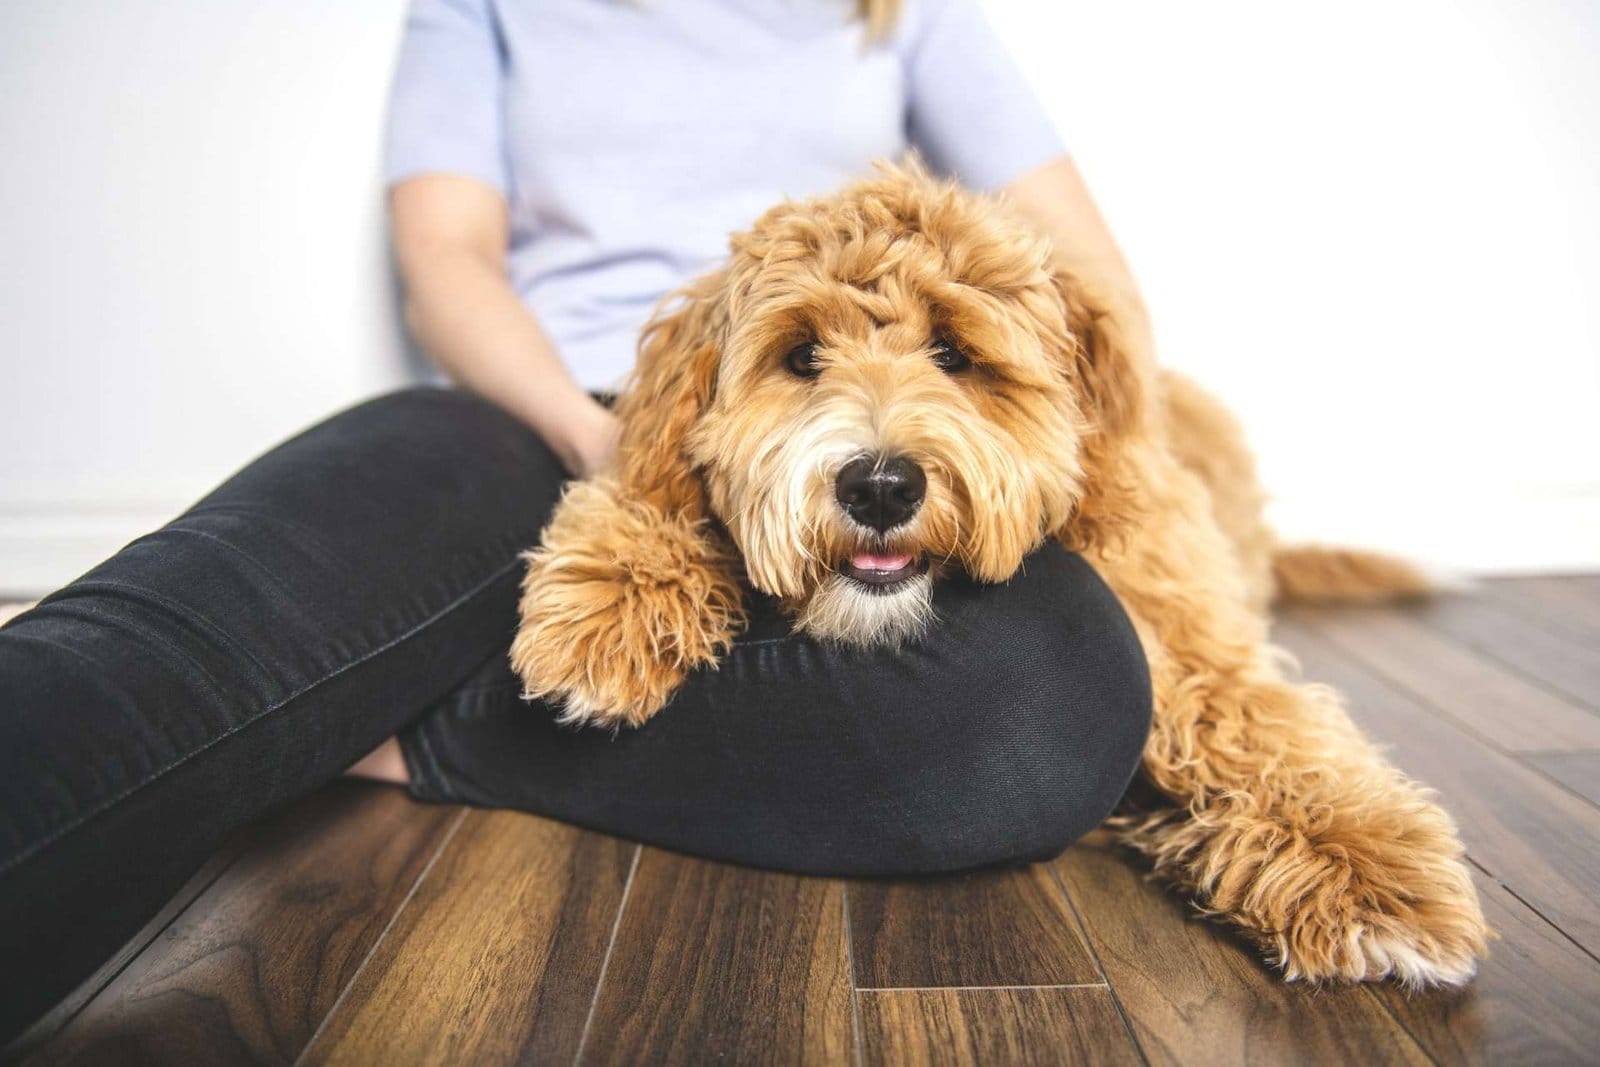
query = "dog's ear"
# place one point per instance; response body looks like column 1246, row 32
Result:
column 669, row 391
column 1115, row 386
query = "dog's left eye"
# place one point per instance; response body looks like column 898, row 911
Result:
column 802, row 360
column 947, row 357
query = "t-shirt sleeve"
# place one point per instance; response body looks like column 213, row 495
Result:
column 970, row 111
column 445, row 106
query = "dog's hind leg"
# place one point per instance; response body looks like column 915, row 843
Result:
column 1209, row 442
column 1286, row 821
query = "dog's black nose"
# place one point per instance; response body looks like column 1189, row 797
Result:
column 880, row 493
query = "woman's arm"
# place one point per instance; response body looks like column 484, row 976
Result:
column 450, row 239
column 1054, row 197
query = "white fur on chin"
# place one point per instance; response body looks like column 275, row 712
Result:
column 843, row 609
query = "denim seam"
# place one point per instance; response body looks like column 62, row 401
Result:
column 107, row 805
column 177, row 609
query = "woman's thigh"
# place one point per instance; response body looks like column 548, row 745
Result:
column 291, row 620
column 1006, row 734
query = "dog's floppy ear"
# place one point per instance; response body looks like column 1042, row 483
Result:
column 1116, row 389
column 669, row 391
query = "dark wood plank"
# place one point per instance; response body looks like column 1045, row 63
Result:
column 1548, row 657
column 1078, row 1025
column 1006, row 927
column 1503, row 707
column 250, row 969
column 1561, row 603
column 1578, row 771
column 1535, row 1001
column 497, row 956
column 58, row 1017
column 720, row 963
column 1534, row 836
column 1195, row 995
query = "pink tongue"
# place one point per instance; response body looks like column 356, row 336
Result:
column 872, row 561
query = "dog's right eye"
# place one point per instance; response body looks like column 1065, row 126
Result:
column 802, row 360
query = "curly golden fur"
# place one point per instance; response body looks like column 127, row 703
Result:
column 1278, row 816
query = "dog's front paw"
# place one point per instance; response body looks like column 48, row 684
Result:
column 619, row 604
column 1370, row 901
column 1426, row 935
column 1356, row 890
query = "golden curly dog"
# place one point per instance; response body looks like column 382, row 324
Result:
column 885, row 384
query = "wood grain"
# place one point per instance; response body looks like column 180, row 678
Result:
column 46, row 1027
column 720, row 963
column 1578, row 771
column 1562, row 604
column 994, row 1026
column 1547, row 657
column 248, row 971
column 1195, row 995
column 1495, row 702
column 1534, row 836
column 497, row 956
column 1536, row 999
column 1004, row 927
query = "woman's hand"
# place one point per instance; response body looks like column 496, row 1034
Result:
column 592, row 441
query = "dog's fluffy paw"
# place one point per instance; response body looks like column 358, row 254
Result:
column 1371, row 900
column 618, row 605
column 1368, row 887
column 1434, row 939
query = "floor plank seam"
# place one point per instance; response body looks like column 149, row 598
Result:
column 1520, row 899
column 1523, row 674
column 1540, row 619
column 1094, row 954
column 1399, row 1023
column 605, row 961
column 1415, row 696
column 27, row 1043
column 855, row 992
column 1558, row 783
column 405, row 902
column 1536, row 680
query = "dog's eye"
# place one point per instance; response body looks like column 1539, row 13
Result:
column 802, row 360
column 947, row 357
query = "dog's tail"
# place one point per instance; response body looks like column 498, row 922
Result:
column 1348, row 575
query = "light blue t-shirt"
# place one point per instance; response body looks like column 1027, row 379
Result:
column 630, row 137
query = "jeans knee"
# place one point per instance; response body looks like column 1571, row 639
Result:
column 1059, row 729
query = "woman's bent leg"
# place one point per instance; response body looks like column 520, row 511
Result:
column 243, row 654
column 1006, row 734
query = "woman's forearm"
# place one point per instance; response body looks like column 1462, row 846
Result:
column 450, row 237
column 1055, row 198
column 473, row 324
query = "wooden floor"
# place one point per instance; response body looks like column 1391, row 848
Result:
column 362, row 928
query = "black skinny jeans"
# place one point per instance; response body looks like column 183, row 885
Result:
column 360, row 581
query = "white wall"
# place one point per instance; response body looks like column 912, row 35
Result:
column 192, row 263
column 1374, row 227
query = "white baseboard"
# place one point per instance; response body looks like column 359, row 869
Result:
column 41, row 550
column 1532, row 532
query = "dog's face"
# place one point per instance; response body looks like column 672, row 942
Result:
column 886, row 391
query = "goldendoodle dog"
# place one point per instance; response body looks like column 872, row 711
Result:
column 893, row 382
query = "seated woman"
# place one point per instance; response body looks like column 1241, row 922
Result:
column 554, row 170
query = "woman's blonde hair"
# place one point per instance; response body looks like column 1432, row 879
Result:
column 880, row 17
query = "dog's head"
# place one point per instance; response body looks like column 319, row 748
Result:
column 880, row 386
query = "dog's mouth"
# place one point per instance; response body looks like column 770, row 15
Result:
column 883, row 572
